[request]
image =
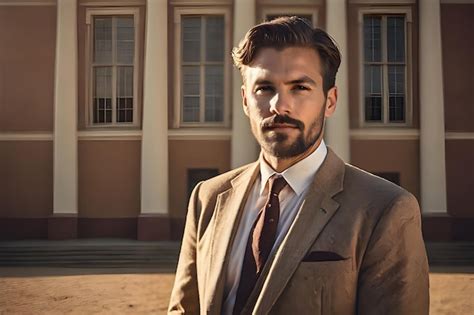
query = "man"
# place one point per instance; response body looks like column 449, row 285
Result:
column 298, row 231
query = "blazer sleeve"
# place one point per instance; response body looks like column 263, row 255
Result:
column 394, row 274
column 185, row 295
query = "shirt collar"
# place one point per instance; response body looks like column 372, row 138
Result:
column 299, row 175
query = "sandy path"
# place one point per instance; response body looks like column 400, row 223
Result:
column 141, row 291
column 452, row 293
column 73, row 291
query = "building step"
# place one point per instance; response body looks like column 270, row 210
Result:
column 93, row 253
column 450, row 254
column 131, row 253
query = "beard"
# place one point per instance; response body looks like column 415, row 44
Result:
column 277, row 143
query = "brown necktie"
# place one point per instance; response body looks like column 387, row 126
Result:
column 260, row 243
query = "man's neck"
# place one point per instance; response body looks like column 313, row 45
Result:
column 280, row 164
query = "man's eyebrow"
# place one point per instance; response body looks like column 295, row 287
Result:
column 263, row 82
column 303, row 79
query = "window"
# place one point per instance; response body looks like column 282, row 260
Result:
column 112, row 67
column 202, row 73
column 386, row 69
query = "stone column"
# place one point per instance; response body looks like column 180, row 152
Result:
column 153, row 223
column 432, row 131
column 63, row 223
column 337, row 126
column 244, row 147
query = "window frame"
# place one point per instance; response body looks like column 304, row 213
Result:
column 177, row 115
column 384, row 11
column 90, row 14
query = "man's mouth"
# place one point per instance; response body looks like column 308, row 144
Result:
column 282, row 123
column 280, row 126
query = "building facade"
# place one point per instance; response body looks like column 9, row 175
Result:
column 111, row 111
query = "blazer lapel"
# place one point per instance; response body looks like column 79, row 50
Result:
column 228, row 211
column 313, row 215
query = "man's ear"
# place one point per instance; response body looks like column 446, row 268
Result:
column 244, row 99
column 331, row 102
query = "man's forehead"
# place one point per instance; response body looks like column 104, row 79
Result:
column 291, row 63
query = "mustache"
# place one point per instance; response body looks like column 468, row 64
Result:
column 269, row 122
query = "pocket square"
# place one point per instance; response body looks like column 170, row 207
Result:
column 322, row 256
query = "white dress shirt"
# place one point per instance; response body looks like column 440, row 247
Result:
column 299, row 177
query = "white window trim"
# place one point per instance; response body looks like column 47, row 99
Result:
column 408, row 73
column 90, row 12
column 290, row 2
column 385, row 134
column 391, row 2
column 116, row 3
column 199, row 134
column 109, row 135
column 18, row 3
column 26, row 136
column 178, row 12
column 291, row 10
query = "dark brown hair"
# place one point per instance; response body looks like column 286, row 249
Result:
column 287, row 32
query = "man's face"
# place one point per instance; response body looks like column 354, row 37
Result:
column 284, row 100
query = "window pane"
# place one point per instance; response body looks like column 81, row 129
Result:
column 124, row 99
column 373, row 108
column 103, row 82
column 396, row 38
column 373, row 93
column 190, row 109
column 191, row 83
column 214, row 93
column 125, row 81
column 396, row 79
column 215, row 38
column 191, row 36
column 102, row 110
column 125, row 40
column 396, row 84
column 191, row 80
column 102, row 95
column 396, row 108
column 372, row 38
column 373, row 79
column 103, row 40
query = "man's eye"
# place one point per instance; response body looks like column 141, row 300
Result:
column 263, row 89
column 301, row 88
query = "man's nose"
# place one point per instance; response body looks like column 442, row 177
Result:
column 280, row 103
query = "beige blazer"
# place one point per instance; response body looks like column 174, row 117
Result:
column 355, row 247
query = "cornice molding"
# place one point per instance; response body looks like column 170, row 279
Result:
column 20, row 3
column 382, row 2
column 384, row 134
column 454, row 135
column 199, row 134
column 26, row 136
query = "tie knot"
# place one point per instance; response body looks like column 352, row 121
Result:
column 276, row 184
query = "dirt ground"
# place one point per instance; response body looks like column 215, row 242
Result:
column 146, row 291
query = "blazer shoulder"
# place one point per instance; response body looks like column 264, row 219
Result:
column 360, row 177
column 375, row 198
column 363, row 185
